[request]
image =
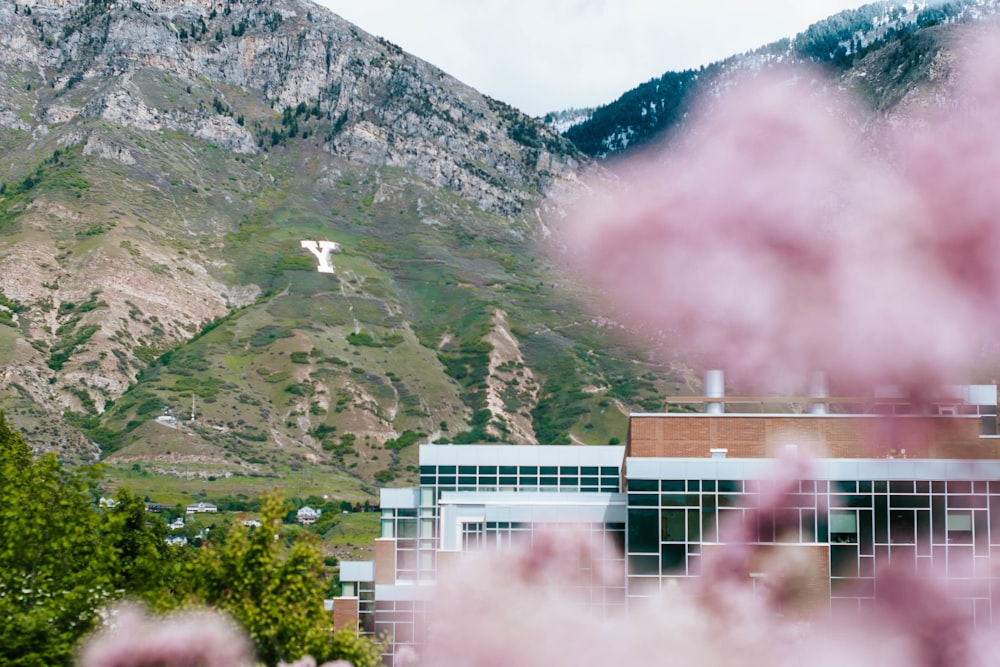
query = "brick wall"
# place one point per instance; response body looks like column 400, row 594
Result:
column 345, row 613
column 385, row 560
column 753, row 436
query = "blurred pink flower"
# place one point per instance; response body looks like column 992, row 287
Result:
column 776, row 239
column 132, row 638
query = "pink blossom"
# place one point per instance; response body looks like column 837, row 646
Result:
column 131, row 638
column 776, row 238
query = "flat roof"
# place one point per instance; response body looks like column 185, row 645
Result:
column 558, row 455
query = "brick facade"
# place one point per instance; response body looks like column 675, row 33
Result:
column 830, row 436
column 385, row 560
column 345, row 613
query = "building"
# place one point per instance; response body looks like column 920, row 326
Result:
column 307, row 515
column 199, row 508
column 921, row 487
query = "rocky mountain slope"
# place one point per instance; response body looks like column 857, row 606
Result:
column 161, row 163
column 888, row 53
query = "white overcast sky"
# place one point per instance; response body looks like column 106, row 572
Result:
column 548, row 55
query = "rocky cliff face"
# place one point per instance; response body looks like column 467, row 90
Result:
column 161, row 162
column 388, row 107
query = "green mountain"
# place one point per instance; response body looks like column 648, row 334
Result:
column 162, row 163
column 886, row 52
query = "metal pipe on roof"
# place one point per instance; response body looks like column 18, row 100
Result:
column 715, row 387
column 818, row 388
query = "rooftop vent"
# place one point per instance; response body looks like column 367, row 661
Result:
column 714, row 388
column 818, row 388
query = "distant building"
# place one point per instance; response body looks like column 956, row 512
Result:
column 930, row 494
column 176, row 524
column 107, row 503
column 200, row 507
column 307, row 515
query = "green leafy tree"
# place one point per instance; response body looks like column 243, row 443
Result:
column 54, row 574
column 274, row 588
column 62, row 560
column 145, row 566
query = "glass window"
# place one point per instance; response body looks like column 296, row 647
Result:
column 643, row 565
column 643, row 485
column 844, row 560
column 673, row 557
column 694, row 526
column 843, row 527
column 347, row 589
column 645, row 499
column 901, row 527
column 909, row 501
column 959, row 520
column 407, row 528
column 673, row 526
column 643, row 530
column 959, row 523
column 959, row 487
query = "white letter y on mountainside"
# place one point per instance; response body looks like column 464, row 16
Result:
column 322, row 250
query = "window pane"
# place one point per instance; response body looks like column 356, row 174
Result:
column 673, row 525
column 643, row 531
column 843, row 522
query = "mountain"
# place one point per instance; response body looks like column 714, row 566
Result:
column 898, row 44
column 162, row 163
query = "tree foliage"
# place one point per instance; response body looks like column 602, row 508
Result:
column 63, row 559
column 270, row 585
column 54, row 575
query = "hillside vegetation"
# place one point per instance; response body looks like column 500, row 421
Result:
column 162, row 163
